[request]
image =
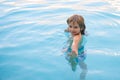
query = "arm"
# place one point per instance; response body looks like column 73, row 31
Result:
column 75, row 43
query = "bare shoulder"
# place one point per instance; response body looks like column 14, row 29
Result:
column 77, row 37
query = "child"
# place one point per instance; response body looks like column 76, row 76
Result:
column 76, row 41
column 77, row 30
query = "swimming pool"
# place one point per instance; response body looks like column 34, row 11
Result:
column 32, row 37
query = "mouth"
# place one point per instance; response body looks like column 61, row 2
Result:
column 74, row 33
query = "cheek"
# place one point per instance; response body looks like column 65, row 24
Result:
column 78, row 30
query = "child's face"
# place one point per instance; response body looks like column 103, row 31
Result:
column 74, row 28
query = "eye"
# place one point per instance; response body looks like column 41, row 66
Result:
column 70, row 26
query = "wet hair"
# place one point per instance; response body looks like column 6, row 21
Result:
column 80, row 20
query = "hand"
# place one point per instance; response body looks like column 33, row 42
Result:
column 73, row 55
column 74, row 52
column 66, row 30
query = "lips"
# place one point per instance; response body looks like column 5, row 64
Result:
column 74, row 33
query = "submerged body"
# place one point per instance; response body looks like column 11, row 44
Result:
column 74, row 49
column 81, row 49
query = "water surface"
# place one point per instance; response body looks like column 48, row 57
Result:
column 32, row 37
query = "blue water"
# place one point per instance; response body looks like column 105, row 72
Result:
column 32, row 37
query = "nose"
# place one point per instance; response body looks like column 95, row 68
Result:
column 72, row 29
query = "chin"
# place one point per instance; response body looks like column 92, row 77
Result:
column 75, row 33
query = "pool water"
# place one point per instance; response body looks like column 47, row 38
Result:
column 32, row 37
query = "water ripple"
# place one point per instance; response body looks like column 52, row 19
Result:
column 32, row 35
column 107, row 52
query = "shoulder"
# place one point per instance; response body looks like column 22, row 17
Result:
column 77, row 37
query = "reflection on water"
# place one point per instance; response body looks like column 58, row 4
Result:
column 73, row 63
column 83, row 66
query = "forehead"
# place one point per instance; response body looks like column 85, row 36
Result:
column 73, row 24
